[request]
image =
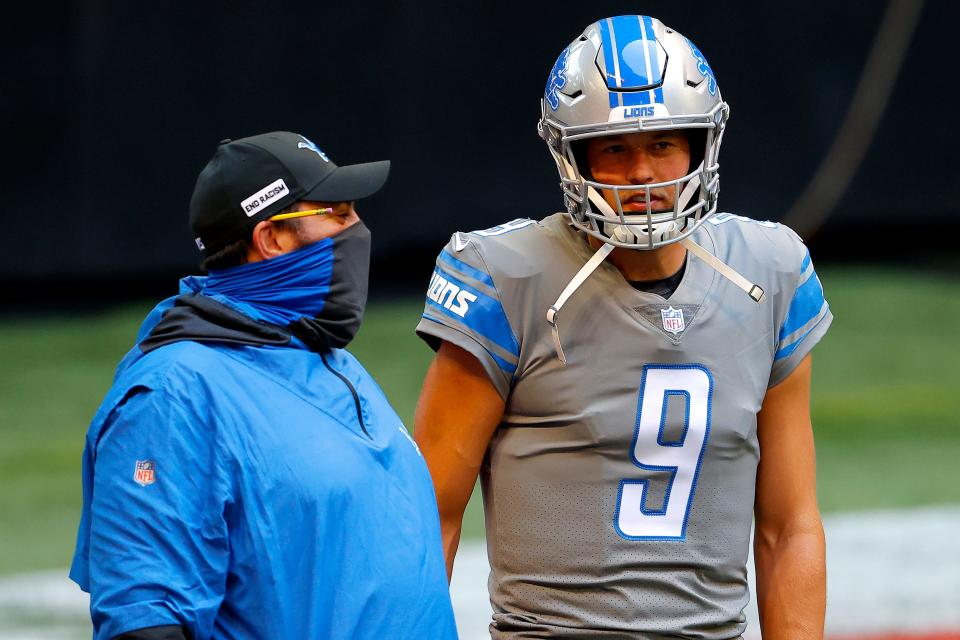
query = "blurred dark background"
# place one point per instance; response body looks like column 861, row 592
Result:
column 110, row 109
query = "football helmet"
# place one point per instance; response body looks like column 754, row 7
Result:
column 628, row 74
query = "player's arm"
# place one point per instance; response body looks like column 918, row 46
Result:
column 458, row 411
column 789, row 546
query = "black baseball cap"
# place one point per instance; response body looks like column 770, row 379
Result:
column 251, row 179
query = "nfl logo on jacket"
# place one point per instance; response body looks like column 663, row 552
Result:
column 144, row 472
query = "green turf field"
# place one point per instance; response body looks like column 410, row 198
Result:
column 886, row 402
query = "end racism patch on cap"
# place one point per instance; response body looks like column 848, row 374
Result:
column 264, row 197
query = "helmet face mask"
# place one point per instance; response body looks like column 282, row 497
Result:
column 624, row 75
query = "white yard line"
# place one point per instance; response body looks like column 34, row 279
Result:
column 887, row 571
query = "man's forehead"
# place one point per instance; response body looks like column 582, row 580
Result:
column 655, row 135
column 663, row 134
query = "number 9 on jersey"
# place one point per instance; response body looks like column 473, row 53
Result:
column 652, row 451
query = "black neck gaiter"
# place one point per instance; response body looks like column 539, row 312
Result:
column 339, row 320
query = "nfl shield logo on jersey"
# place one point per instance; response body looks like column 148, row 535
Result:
column 672, row 320
column 144, row 473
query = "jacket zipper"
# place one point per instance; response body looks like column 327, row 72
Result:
column 353, row 392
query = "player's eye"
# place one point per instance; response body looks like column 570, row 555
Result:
column 614, row 148
column 343, row 209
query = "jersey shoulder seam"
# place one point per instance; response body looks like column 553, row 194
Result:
column 496, row 287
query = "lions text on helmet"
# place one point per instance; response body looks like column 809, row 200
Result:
column 655, row 80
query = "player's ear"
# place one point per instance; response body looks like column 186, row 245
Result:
column 267, row 241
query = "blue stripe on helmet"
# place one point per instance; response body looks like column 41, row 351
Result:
column 648, row 28
column 631, row 55
column 608, row 59
column 634, row 98
column 655, row 59
column 636, row 51
column 631, row 60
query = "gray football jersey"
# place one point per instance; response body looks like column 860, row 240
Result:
column 619, row 489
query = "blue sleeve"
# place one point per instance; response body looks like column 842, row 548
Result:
column 157, row 543
column 464, row 306
column 806, row 321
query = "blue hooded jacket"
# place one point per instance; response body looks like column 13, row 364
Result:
column 240, row 485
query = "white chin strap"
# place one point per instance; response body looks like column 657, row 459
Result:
column 574, row 284
column 753, row 290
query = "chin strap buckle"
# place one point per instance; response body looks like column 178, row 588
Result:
column 555, row 333
column 755, row 291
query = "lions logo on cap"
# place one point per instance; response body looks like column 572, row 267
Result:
column 307, row 144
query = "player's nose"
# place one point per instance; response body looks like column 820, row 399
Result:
column 640, row 168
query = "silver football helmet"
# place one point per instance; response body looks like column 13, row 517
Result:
column 623, row 75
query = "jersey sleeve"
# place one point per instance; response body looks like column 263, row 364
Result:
column 464, row 307
column 153, row 532
column 806, row 319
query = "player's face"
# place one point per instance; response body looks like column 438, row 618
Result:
column 640, row 158
column 315, row 228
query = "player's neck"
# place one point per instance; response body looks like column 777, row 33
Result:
column 644, row 265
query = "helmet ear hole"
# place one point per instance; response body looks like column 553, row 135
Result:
column 579, row 149
column 697, row 139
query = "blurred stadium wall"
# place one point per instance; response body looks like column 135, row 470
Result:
column 111, row 109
